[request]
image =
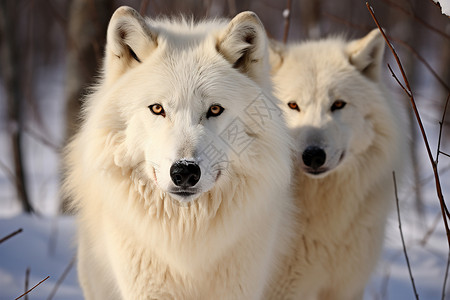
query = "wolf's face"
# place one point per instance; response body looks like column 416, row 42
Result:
column 175, row 94
column 325, row 87
column 178, row 121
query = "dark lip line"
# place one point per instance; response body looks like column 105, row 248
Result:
column 184, row 193
column 316, row 172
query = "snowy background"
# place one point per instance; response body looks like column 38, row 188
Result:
column 46, row 246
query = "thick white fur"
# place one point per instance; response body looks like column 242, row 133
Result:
column 343, row 211
column 136, row 239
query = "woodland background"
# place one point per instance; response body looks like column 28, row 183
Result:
column 50, row 52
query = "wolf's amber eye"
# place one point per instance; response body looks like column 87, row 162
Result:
column 338, row 104
column 293, row 105
column 214, row 111
column 157, row 109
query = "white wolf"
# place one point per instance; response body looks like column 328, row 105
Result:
column 181, row 169
column 348, row 136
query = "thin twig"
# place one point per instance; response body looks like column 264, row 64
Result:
column 445, row 277
column 287, row 20
column 27, row 277
column 441, row 125
column 430, row 230
column 62, row 277
column 415, row 17
column 422, row 60
column 32, row 288
column 398, row 41
column 398, row 81
column 440, row 195
column 403, row 239
column 443, row 153
column 11, row 235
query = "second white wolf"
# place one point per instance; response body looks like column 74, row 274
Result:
column 348, row 136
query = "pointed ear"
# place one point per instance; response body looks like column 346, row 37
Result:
column 276, row 55
column 129, row 42
column 243, row 44
column 366, row 54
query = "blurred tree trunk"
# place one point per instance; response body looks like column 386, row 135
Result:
column 10, row 68
column 310, row 15
column 88, row 22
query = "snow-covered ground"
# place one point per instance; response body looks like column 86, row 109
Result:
column 46, row 245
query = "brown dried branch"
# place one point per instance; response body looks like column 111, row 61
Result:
column 441, row 125
column 62, row 277
column 11, row 235
column 443, row 153
column 408, row 91
column 32, row 288
column 287, row 20
column 403, row 239
column 398, row 41
column 417, row 18
column 423, row 61
column 446, row 277
column 398, row 81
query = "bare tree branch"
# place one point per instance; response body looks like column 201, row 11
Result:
column 443, row 153
column 27, row 278
column 441, row 125
column 11, row 235
column 399, row 41
column 445, row 277
column 403, row 239
column 415, row 17
column 32, row 288
column 408, row 91
column 62, row 277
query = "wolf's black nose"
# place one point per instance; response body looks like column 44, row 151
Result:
column 314, row 157
column 185, row 173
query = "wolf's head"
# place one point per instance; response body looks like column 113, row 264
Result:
column 334, row 103
column 179, row 101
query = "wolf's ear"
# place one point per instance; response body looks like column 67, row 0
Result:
column 243, row 44
column 129, row 42
column 276, row 55
column 366, row 54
